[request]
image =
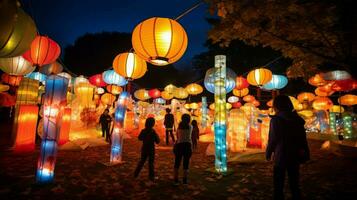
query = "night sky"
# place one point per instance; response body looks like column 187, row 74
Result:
column 66, row 20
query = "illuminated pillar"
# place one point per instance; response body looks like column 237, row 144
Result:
column 65, row 126
column 220, row 113
column 332, row 122
column 54, row 100
column 347, row 125
column 118, row 130
column 204, row 112
column 322, row 119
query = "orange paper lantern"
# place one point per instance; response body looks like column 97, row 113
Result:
column 317, row 80
column 320, row 92
column 322, row 103
column 65, row 126
column 240, row 93
column 241, row 83
column 249, row 98
column 114, row 89
column 259, row 77
column 306, row 97
column 348, row 100
column 11, row 80
column 107, row 99
column 166, row 95
column 194, row 89
column 129, row 65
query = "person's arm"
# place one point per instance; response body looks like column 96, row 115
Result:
column 141, row 136
column 272, row 139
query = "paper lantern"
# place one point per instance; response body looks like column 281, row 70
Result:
column 154, row 93
column 107, row 99
column 270, row 103
column 322, row 103
column 187, row 106
column 160, row 41
column 53, row 68
column 16, row 66
column 306, row 113
column 321, row 93
column 85, row 92
column 241, row 83
column 25, row 126
column 228, row 106
column 204, row 113
column 229, row 82
column 114, row 89
column 79, row 80
column 259, row 77
column 65, row 126
column 100, row 90
column 277, row 82
column 344, row 85
column 8, row 11
column 249, row 98
column 129, row 65
column 11, row 80
column 97, row 80
column 233, row 99
column 238, row 125
column 67, row 76
column 306, row 97
column 240, row 93
column 236, row 104
column 16, row 38
column 337, row 109
column 317, row 80
column 194, row 106
column 256, row 103
column 141, row 94
column 111, row 77
column 194, row 89
column 166, row 95
column 37, row 76
column 27, row 93
column 336, row 75
column 4, row 88
column 348, row 100
column 159, row 101
column 180, row 93
column 170, row 88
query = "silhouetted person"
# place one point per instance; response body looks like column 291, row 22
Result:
column 182, row 148
column 169, row 123
column 105, row 121
column 149, row 138
column 287, row 146
column 195, row 134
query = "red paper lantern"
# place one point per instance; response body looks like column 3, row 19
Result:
column 236, row 104
column 241, row 83
column 97, row 80
column 154, row 93
column 43, row 51
column 11, row 80
column 344, row 85
column 65, row 126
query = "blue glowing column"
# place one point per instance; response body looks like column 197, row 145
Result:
column 118, row 130
column 54, row 102
column 204, row 112
column 220, row 113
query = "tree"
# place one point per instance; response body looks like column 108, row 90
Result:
column 311, row 33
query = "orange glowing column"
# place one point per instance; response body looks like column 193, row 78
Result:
column 65, row 126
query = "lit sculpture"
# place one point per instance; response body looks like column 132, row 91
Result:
column 16, row 66
column 65, row 126
column 204, row 112
column 237, row 130
column 347, row 125
column 210, row 79
column 27, row 93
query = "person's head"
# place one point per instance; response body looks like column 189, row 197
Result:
column 185, row 121
column 194, row 123
column 106, row 111
column 282, row 103
column 150, row 122
column 168, row 110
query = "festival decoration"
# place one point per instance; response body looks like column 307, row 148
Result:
column 84, row 92
column 159, row 101
column 229, row 81
column 236, row 104
column 347, row 125
column 180, row 93
column 154, row 93
column 4, row 88
column 8, row 11
column 160, row 41
column 238, row 126
column 100, row 90
column 256, row 103
column 166, row 95
column 249, row 98
column 141, row 94
column 241, row 83
column 344, row 85
column 97, row 80
column 53, row 68
column 321, row 92
column 37, row 76
column 114, row 89
column 170, row 88
column 65, row 126
column 322, row 103
column 259, row 77
column 194, row 89
column 232, row 99
column 336, row 75
column 27, row 93
column 305, row 97
column 11, row 80
column 111, row 77
column 317, row 80
column 277, row 82
column 240, row 93
column 129, row 65
column 204, row 112
column 16, row 66
column 348, row 100
column 67, row 76
column 270, row 103
column 107, row 99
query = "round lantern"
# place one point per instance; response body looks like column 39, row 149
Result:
column 306, row 97
column 166, row 95
column 107, row 99
column 249, row 98
column 4, row 88
column 277, row 82
column 194, row 106
column 11, row 80
column 256, row 103
column 16, row 66
column 233, row 99
column 317, row 80
column 37, row 76
column 270, row 103
column 180, row 93
column 43, row 51
column 348, row 100
column 67, row 76
column 159, row 101
column 8, row 10
column 160, row 41
column 143, row 104
column 154, row 93
column 187, row 106
column 194, row 89
column 241, row 83
column 337, row 109
column 240, row 93
column 170, row 88
column 321, row 92
column 344, row 85
column 16, row 38
column 236, row 104
column 114, row 89
column 80, row 79
column 111, row 77
column 141, row 94
column 97, row 80
column 336, row 75
column 228, row 106
column 100, row 90
column 306, row 113
column 322, row 103
column 210, row 78
column 259, row 77
column 53, row 68
column 129, row 65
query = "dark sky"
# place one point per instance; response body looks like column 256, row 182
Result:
column 66, row 20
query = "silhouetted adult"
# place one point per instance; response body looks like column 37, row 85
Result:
column 287, row 146
column 105, row 121
column 169, row 123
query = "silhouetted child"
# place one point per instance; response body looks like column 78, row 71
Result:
column 195, row 134
column 149, row 138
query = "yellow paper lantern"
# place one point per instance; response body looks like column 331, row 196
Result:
column 4, row 88
column 306, row 97
column 143, row 104
column 166, row 95
column 240, row 93
column 141, row 94
column 228, row 106
column 194, row 89
column 249, row 98
column 259, row 77
column 114, row 89
column 187, row 106
column 85, row 91
column 322, row 103
column 337, row 109
column 16, row 66
column 27, row 93
column 170, row 88
column 107, row 99
column 194, row 106
column 180, row 93
column 306, row 113
column 129, row 65
column 348, row 100
column 160, row 41
column 321, row 93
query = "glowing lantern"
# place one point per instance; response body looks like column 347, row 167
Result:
column 187, row 106
column 270, row 103
column 204, row 112
column 43, row 51
column 8, row 10
column 306, row 97
column 65, row 126
column 53, row 68
column 277, row 82
column 37, row 76
column 337, row 109
column 194, row 89
column 170, row 88
column 236, row 104
column 107, row 99
column 240, row 93
column 166, row 95
column 348, row 100
column 194, row 106
column 159, row 101
column 229, row 82
column 111, row 77
column 97, row 80
column 249, row 98
column 17, row 38
column 160, row 41
column 259, row 77
column 228, row 106
column 180, row 93
column 114, row 89
column 344, row 85
column 79, row 80
column 256, row 103
column 238, row 125
column 129, row 65
column 141, row 94
column 347, row 125
column 25, row 126
column 317, row 80
column 100, row 90
column 85, row 91
column 233, row 99
column 27, row 93
column 67, row 76
column 322, row 103
column 11, row 80
column 241, row 83
column 321, row 93
column 336, row 75
column 4, row 88
column 306, row 113
column 16, row 66
column 154, row 93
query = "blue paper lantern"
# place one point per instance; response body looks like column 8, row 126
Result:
column 159, row 101
column 111, row 77
column 37, row 76
column 277, row 82
column 229, row 83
